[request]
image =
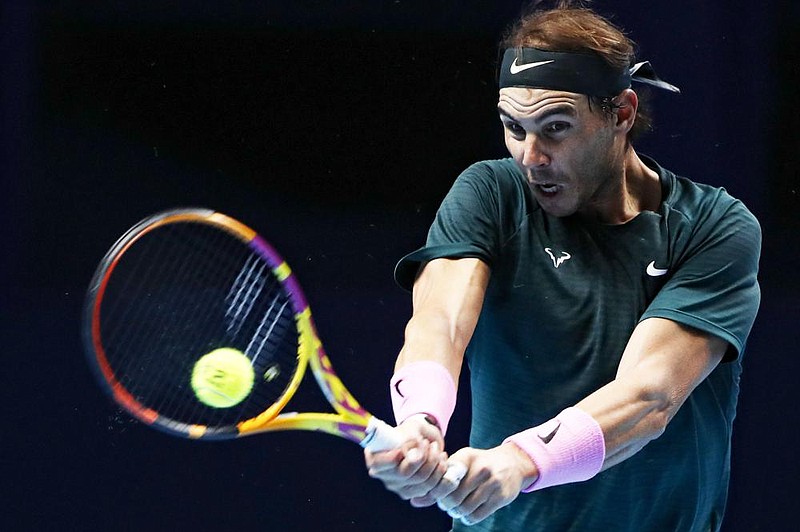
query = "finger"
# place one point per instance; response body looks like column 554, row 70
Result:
column 471, row 483
column 415, row 459
column 431, row 461
column 492, row 500
column 379, row 463
column 428, row 478
column 449, row 493
column 455, row 472
column 450, row 480
column 413, row 469
column 418, row 485
column 466, row 510
column 481, row 512
column 411, row 452
column 452, row 500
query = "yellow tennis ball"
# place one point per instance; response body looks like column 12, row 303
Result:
column 223, row 378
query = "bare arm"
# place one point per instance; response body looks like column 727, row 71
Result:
column 448, row 296
column 662, row 364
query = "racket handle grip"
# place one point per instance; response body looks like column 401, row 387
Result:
column 380, row 436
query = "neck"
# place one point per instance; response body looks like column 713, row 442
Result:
column 638, row 189
column 642, row 183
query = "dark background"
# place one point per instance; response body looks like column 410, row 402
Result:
column 334, row 131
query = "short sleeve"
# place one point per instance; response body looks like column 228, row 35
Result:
column 468, row 222
column 715, row 287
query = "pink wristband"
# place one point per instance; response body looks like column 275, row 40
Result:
column 423, row 387
column 568, row 448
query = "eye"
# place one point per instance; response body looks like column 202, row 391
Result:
column 516, row 130
column 554, row 128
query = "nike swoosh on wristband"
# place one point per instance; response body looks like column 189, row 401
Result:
column 548, row 436
column 652, row 271
column 516, row 69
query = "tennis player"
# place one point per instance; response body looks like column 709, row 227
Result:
column 601, row 301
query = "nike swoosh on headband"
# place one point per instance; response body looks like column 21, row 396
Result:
column 516, row 69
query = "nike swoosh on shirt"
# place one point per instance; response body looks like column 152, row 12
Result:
column 516, row 69
column 652, row 271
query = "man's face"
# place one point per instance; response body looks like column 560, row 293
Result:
column 571, row 154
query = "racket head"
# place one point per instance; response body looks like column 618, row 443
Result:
column 178, row 285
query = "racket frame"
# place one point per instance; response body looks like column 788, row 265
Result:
column 350, row 420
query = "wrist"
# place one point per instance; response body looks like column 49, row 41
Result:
column 424, row 425
column 526, row 466
column 426, row 418
column 568, row 448
column 423, row 388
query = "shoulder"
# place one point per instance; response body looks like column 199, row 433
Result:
column 498, row 184
column 714, row 246
column 702, row 206
column 498, row 173
column 499, row 167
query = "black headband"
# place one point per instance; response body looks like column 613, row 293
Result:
column 582, row 73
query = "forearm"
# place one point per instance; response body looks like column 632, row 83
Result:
column 629, row 416
column 600, row 431
column 427, row 371
column 662, row 364
column 429, row 335
column 448, row 296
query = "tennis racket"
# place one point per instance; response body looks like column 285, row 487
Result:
column 186, row 282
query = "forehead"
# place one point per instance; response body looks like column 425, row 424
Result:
column 522, row 102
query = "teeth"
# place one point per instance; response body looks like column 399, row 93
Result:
column 548, row 188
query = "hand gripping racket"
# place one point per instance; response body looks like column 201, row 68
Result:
column 183, row 283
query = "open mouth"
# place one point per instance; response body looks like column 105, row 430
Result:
column 547, row 189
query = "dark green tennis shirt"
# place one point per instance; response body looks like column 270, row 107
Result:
column 563, row 299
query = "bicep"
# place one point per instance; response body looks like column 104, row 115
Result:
column 675, row 355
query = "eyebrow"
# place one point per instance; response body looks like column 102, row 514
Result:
column 557, row 110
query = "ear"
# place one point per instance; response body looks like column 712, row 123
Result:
column 628, row 103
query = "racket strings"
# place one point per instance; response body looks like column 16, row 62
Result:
column 163, row 396
column 200, row 254
column 200, row 289
column 243, row 293
column 159, row 314
column 246, row 291
column 129, row 348
column 260, row 337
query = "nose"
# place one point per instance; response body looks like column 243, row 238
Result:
column 534, row 156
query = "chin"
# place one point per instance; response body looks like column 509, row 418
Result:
column 555, row 204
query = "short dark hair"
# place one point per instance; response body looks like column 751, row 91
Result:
column 569, row 26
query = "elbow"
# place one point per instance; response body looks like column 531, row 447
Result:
column 659, row 407
column 657, row 423
column 657, row 395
